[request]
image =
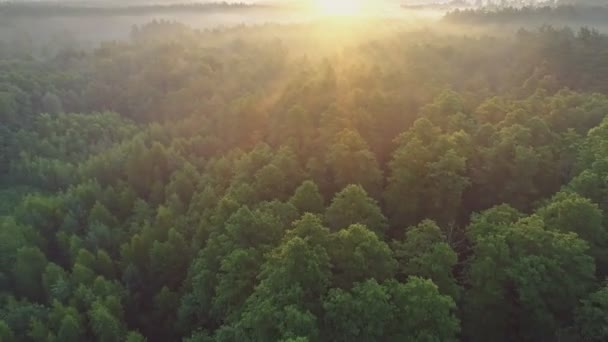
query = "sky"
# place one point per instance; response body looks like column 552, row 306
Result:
column 126, row 2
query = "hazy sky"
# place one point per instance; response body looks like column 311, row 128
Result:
column 382, row 3
column 122, row 2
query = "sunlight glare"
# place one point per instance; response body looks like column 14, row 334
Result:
column 340, row 7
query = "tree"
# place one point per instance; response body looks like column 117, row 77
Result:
column 9, row 108
column 289, row 163
column 427, row 176
column 134, row 336
column 160, row 321
column 422, row 313
column 358, row 254
column 27, row 273
column 592, row 185
column 236, row 281
column 251, row 228
column 6, row 334
column 308, row 199
column 19, row 316
column 70, row 330
column 445, row 105
column 42, row 213
column 104, row 325
column 569, row 212
column 591, row 317
column 534, row 274
column 169, row 260
column 280, row 213
column 310, row 228
column 183, row 183
column 270, row 182
column 85, row 258
column 100, row 214
column 519, row 167
column 12, row 238
column 424, row 252
column 56, row 282
column 351, row 162
column 358, row 315
column 51, row 103
column 283, row 304
column 392, row 311
column 104, row 265
column 351, row 206
column 295, row 126
column 255, row 232
column 39, row 332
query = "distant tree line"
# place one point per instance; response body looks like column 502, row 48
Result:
column 531, row 15
column 37, row 9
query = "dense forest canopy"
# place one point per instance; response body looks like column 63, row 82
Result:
column 336, row 180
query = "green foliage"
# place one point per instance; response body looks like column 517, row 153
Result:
column 424, row 313
column 310, row 228
column 236, row 281
column 424, row 252
column 104, row 325
column 19, row 315
column 351, row 162
column 358, row 254
column 414, row 311
column 591, row 316
column 56, row 282
column 468, row 185
column 134, row 336
column 308, row 199
column 6, row 334
column 352, row 205
column 533, row 273
column 27, row 273
column 427, row 175
column 573, row 213
column 282, row 305
column 40, row 332
column 70, row 330
column 361, row 315
column 12, row 238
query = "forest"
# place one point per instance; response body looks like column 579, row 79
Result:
column 306, row 182
column 579, row 16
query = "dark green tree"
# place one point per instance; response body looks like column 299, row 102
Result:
column 352, row 205
column 27, row 273
column 358, row 254
column 591, row 318
column 308, row 199
column 351, row 162
column 425, row 252
column 104, row 325
column 543, row 272
column 70, row 330
column 6, row 334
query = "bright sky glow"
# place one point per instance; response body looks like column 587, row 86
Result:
column 340, row 7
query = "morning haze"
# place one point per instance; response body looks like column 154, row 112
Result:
column 304, row 171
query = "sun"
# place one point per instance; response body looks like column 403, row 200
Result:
column 340, row 7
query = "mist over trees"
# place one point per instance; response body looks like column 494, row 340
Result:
column 278, row 183
column 532, row 16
